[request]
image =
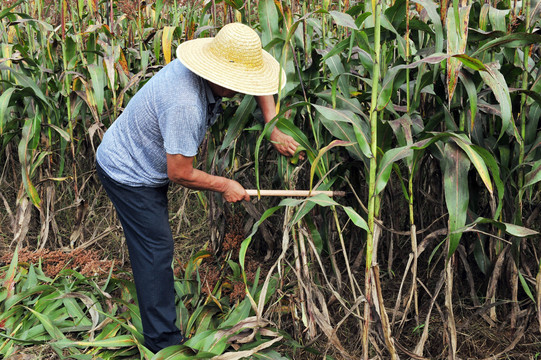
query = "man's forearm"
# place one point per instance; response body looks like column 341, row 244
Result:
column 268, row 107
column 200, row 180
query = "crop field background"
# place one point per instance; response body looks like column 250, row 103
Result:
column 427, row 114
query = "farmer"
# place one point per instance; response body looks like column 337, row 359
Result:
column 154, row 141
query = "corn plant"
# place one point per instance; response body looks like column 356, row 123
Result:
column 414, row 113
column 426, row 112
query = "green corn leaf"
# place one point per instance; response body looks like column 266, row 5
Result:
column 387, row 87
column 75, row 312
column 32, row 329
column 135, row 317
column 60, row 131
column 206, row 317
column 52, row 329
column 343, row 19
column 533, row 176
column 179, row 352
column 475, row 159
column 322, row 200
column 117, row 341
column 207, row 342
column 456, row 167
column 48, row 304
column 481, row 258
column 34, row 134
column 97, row 75
column 494, row 168
column 471, row 90
column 291, row 202
column 86, row 357
column 497, row 18
column 240, row 312
column 399, row 38
column 514, row 40
column 386, row 163
column 511, row 229
column 184, row 314
column 268, row 15
column 351, row 104
column 356, row 218
column 4, row 105
column 37, row 162
column 238, row 122
column 304, row 207
column 25, row 157
column 235, row 268
column 337, row 69
column 31, row 279
column 431, row 8
column 322, row 152
column 396, row 154
column 88, row 302
column 23, row 341
column 158, row 12
column 496, row 81
column 346, row 126
column 7, row 10
column 315, row 234
column 470, row 62
column 193, row 318
column 519, row 231
column 525, row 286
column 246, row 242
column 294, row 27
column 69, row 47
column 27, row 82
column 337, row 49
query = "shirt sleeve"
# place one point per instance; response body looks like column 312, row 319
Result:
column 182, row 128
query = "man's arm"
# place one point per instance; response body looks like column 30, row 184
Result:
column 181, row 171
column 285, row 144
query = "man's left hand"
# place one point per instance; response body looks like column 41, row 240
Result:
column 284, row 143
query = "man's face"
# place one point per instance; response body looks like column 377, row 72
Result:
column 221, row 91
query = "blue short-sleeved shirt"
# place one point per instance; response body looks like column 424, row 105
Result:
column 170, row 114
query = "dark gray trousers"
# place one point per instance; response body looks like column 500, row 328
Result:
column 144, row 216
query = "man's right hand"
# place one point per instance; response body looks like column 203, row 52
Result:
column 181, row 171
column 234, row 192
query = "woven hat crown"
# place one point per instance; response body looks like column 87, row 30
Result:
column 234, row 60
column 238, row 44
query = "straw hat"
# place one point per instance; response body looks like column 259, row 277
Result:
column 235, row 60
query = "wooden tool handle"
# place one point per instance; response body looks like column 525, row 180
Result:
column 301, row 193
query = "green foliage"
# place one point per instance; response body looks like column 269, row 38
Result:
column 84, row 317
column 439, row 103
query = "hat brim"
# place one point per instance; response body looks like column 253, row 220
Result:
column 266, row 80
